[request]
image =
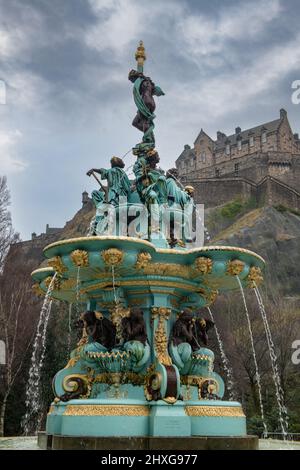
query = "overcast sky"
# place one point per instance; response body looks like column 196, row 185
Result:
column 69, row 108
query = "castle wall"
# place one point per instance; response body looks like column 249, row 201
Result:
column 213, row 192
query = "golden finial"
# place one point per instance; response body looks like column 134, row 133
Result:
column 140, row 56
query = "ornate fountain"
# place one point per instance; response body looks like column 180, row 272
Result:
column 142, row 373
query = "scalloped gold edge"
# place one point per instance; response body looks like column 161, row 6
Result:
column 158, row 250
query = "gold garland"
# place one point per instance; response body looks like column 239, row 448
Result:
column 143, row 259
column 106, row 410
column 160, row 336
column 215, row 411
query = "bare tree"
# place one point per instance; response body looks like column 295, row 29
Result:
column 7, row 233
column 18, row 309
column 16, row 305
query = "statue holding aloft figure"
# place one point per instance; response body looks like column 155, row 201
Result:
column 143, row 91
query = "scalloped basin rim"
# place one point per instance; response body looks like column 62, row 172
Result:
column 96, row 239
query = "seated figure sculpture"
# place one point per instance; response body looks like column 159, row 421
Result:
column 135, row 337
column 187, row 334
column 118, row 185
column 150, row 181
column 100, row 331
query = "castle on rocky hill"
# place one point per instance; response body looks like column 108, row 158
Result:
column 261, row 163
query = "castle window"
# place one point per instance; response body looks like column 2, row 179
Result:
column 217, row 173
column 227, row 149
column 251, row 141
column 236, row 169
column 264, row 137
column 239, row 145
column 203, row 157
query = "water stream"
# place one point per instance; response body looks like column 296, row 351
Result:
column 33, row 416
column 226, row 365
column 283, row 418
column 254, row 358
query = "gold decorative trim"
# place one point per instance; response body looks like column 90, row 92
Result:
column 254, row 277
column 111, row 378
column 211, row 296
column 215, row 411
column 198, row 381
column 203, row 265
column 145, row 283
column 143, row 260
column 235, row 267
column 71, row 384
column 57, row 264
column 80, row 258
column 160, row 336
column 168, row 269
column 56, row 283
column 158, row 250
column 106, row 410
column 116, row 315
column 68, row 284
column 112, row 256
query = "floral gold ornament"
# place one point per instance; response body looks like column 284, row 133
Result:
column 211, row 296
column 203, row 265
column 254, row 277
column 235, row 267
column 57, row 264
column 106, row 410
column 165, row 269
column 116, row 315
column 80, row 258
column 215, row 411
column 112, row 256
column 160, row 336
column 56, row 283
column 68, row 284
column 143, row 259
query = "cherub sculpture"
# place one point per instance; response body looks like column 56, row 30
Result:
column 135, row 337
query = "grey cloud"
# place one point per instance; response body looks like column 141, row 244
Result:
column 69, row 100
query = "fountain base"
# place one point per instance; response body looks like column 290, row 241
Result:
column 134, row 424
column 52, row 442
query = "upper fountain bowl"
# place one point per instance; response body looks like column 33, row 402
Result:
column 93, row 267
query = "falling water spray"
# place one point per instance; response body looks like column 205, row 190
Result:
column 32, row 418
column 283, row 418
column 226, row 365
column 254, row 358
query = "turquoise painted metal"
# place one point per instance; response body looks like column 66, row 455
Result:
column 158, row 386
column 119, row 387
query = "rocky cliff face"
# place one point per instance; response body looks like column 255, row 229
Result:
column 275, row 235
column 272, row 233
